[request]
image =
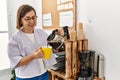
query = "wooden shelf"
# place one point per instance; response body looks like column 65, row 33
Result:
column 72, row 63
column 56, row 73
column 61, row 74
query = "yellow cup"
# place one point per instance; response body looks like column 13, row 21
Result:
column 46, row 51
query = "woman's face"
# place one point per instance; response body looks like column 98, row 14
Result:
column 29, row 22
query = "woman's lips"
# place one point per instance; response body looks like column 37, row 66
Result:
column 31, row 25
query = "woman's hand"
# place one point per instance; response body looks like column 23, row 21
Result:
column 38, row 53
column 60, row 31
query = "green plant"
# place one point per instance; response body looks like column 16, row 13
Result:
column 13, row 74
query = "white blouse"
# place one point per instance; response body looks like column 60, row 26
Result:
column 20, row 45
column 42, row 66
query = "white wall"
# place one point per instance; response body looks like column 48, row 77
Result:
column 101, row 27
column 101, row 20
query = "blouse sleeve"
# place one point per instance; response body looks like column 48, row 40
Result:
column 13, row 53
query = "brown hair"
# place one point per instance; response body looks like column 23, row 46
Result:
column 22, row 11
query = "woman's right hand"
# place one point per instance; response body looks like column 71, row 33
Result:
column 38, row 53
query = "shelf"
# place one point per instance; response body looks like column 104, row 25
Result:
column 57, row 73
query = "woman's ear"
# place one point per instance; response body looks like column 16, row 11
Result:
column 21, row 22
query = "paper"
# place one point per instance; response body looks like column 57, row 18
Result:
column 47, row 20
column 66, row 18
column 58, row 1
column 71, row 5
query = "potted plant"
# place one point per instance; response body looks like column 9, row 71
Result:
column 13, row 74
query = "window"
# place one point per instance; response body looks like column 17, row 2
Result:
column 4, row 37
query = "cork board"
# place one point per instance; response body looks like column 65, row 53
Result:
column 54, row 10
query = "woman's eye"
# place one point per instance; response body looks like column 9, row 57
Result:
column 28, row 19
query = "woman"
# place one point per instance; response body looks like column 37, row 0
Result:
column 24, row 47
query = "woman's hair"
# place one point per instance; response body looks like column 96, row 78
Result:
column 22, row 11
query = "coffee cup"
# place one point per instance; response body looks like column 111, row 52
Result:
column 47, row 50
